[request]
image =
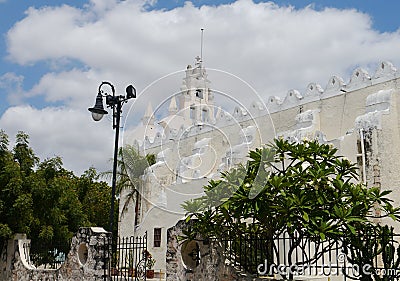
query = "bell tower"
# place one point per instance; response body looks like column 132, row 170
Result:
column 196, row 101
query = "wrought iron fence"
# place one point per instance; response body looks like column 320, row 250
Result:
column 129, row 258
column 375, row 256
column 49, row 256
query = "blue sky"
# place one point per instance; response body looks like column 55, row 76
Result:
column 384, row 14
column 11, row 12
column 384, row 18
column 55, row 53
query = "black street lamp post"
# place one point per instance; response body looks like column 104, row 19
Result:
column 114, row 102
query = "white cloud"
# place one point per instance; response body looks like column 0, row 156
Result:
column 249, row 39
column 273, row 48
column 12, row 84
column 63, row 132
column 75, row 88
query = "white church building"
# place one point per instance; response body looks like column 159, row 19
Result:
column 197, row 139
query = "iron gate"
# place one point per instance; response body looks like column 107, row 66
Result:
column 129, row 259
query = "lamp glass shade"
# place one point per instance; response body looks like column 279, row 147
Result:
column 97, row 116
column 98, row 109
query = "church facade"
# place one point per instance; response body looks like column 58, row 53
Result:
column 198, row 139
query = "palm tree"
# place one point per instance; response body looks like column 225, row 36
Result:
column 131, row 166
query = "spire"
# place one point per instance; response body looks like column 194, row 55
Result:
column 201, row 46
column 173, row 108
column 148, row 117
column 199, row 59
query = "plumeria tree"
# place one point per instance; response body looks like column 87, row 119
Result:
column 300, row 189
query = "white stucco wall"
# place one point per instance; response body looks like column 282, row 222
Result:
column 336, row 114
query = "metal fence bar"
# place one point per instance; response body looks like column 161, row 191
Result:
column 316, row 257
column 52, row 258
column 128, row 259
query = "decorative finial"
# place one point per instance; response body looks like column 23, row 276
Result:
column 198, row 60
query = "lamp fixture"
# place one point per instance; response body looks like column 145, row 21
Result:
column 115, row 103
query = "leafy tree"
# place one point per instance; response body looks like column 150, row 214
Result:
column 9, row 177
column 302, row 189
column 23, row 154
column 95, row 196
column 57, row 211
column 15, row 203
column 46, row 201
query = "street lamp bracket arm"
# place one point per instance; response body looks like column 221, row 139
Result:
column 109, row 84
column 112, row 100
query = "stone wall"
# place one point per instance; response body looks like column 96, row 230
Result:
column 211, row 265
column 87, row 259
